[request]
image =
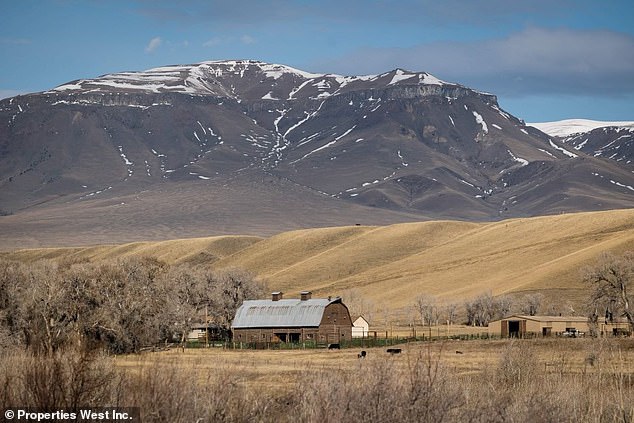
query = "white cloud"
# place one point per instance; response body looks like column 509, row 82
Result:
column 247, row 39
column 532, row 61
column 153, row 44
column 215, row 41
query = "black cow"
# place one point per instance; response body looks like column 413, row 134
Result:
column 394, row 350
column 334, row 347
column 362, row 354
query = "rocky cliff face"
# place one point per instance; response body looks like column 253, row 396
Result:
column 612, row 142
column 403, row 142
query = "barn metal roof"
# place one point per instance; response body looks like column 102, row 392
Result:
column 281, row 313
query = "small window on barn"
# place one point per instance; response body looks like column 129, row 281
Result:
column 309, row 336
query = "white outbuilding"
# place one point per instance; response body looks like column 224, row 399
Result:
column 360, row 328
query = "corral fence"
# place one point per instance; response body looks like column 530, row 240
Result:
column 365, row 342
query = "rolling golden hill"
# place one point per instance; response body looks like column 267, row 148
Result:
column 390, row 266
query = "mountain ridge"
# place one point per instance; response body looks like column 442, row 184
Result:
column 207, row 145
column 610, row 140
column 567, row 127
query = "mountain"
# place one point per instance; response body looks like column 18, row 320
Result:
column 255, row 148
column 610, row 140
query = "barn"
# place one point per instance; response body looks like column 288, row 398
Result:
column 324, row 320
column 521, row 326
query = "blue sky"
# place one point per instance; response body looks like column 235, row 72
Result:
column 545, row 60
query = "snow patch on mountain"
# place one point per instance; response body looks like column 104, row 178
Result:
column 330, row 144
column 568, row 127
column 269, row 96
column 523, row 162
column 563, row 150
column 425, row 78
column 210, row 78
column 479, row 119
column 400, row 75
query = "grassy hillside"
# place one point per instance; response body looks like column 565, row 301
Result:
column 390, row 265
column 195, row 250
column 452, row 260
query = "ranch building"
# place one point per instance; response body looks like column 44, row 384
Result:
column 206, row 333
column 360, row 328
column 520, row 326
column 325, row 320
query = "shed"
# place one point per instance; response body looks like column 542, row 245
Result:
column 292, row 320
column 360, row 328
column 520, row 326
column 209, row 332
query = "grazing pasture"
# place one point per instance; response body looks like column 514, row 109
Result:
column 264, row 367
column 481, row 380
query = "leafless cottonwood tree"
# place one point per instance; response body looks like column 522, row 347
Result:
column 188, row 298
column 228, row 289
column 532, row 304
column 449, row 312
column 427, row 309
column 122, row 305
column 612, row 282
column 481, row 310
column 359, row 305
column 504, row 306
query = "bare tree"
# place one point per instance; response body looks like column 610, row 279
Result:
column 427, row 309
column 612, row 280
column 187, row 298
column 116, row 304
column 45, row 310
column 451, row 311
column 357, row 304
column 229, row 288
column 504, row 305
column 480, row 310
column 532, row 304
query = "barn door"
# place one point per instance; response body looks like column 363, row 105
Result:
column 333, row 336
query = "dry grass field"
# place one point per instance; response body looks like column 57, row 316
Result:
column 501, row 380
column 278, row 370
column 388, row 266
column 539, row 380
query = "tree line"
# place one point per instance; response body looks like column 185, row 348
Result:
column 479, row 311
column 122, row 305
column 609, row 282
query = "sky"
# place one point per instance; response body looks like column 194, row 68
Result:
column 545, row 59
